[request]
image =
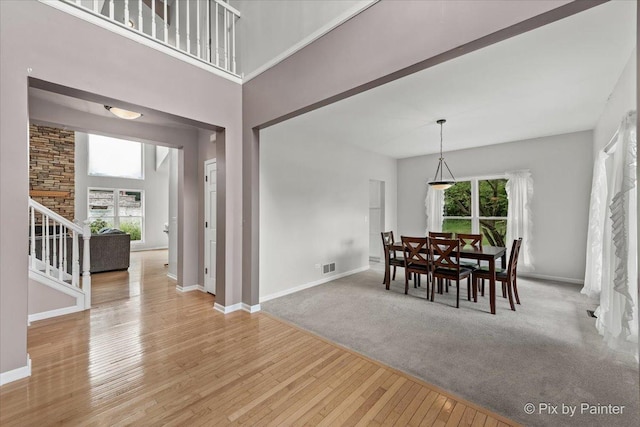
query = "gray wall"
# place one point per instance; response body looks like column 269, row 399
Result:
column 561, row 167
column 286, row 22
column 43, row 298
column 314, row 199
column 39, row 41
column 155, row 185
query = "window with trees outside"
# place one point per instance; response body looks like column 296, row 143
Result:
column 116, row 208
column 477, row 206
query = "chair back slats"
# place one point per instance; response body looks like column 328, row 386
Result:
column 444, row 253
column 387, row 238
column 387, row 241
column 415, row 250
column 473, row 240
column 438, row 235
column 513, row 259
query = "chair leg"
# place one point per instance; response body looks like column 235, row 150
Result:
column 406, row 281
column 475, row 289
column 482, row 287
column 504, row 289
column 458, row 293
column 513, row 307
column 469, row 288
column 394, row 272
column 515, row 290
column 433, row 287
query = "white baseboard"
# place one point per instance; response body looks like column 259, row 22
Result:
column 16, row 374
column 190, row 288
column 53, row 313
column 251, row 308
column 172, row 276
column 235, row 307
column 551, row 278
column 227, row 309
column 312, row 284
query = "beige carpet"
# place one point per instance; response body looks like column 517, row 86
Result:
column 547, row 352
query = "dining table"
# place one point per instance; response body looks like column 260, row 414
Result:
column 485, row 253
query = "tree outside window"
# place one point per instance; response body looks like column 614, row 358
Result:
column 477, row 206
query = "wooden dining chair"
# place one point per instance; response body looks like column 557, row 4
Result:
column 445, row 264
column 473, row 240
column 391, row 258
column 439, row 235
column 415, row 260
column 507, row 277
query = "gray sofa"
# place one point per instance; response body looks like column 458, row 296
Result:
column 108, row 251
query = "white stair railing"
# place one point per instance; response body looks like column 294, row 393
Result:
column 54, row 248
column 202, row 29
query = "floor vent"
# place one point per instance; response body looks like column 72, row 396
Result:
column 329, row 268
column 591, row 313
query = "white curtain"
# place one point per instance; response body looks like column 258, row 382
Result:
column 519, row 193
column 595, row 234
column 618, row 311
column 434, row 204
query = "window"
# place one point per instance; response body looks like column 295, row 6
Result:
column 477, row 206
column 115, row 157
column 114, row 208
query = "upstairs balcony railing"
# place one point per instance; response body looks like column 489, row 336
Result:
column 202, row 29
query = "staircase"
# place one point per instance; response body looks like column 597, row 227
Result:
column 54, row 257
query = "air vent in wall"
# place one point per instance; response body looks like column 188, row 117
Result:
column 328, row 268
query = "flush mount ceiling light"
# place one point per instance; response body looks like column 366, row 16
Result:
column 439, row 182
column 122, row 113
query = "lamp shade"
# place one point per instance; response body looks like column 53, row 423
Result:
column 122, row 113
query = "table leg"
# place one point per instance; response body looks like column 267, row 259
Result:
column 492, row 285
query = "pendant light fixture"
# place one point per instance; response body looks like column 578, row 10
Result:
column 439, row 183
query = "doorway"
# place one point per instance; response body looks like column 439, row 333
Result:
column 376, row 218
column 210, row 214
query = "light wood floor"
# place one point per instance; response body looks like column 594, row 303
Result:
column 163, row 357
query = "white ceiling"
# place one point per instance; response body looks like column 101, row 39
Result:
column 553, row 80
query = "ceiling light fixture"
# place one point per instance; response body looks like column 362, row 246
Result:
column 439, row 183
column 122, row 113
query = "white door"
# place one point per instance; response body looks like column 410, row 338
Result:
column 210, row 226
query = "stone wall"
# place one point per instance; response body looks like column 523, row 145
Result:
column 51, row 168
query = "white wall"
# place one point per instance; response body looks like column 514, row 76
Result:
column 286, row 23
column 621, row 100
column 314, row 199
column 155, row 185
column 561, row 167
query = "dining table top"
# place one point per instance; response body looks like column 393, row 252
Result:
column 486, row 252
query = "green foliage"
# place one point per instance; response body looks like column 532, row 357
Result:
column 456, row 226
column 133, row 229
column 457, row 199
column 493, row 202
column 98, row 224
column 493, row 197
